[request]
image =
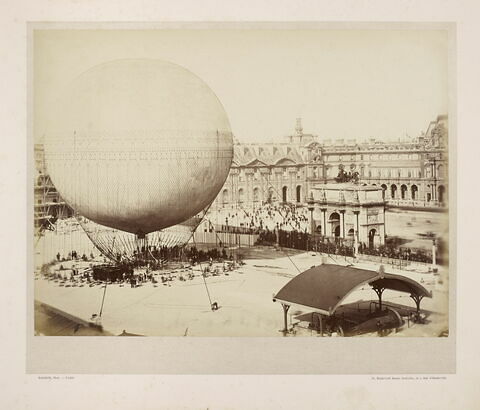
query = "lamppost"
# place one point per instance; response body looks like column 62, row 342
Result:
column 356, row 233
column 277, row 235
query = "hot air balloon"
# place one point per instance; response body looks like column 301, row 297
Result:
column 138, row 147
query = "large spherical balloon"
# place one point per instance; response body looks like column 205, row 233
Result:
column 138, row 145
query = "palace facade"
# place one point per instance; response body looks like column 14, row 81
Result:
column 412, row 172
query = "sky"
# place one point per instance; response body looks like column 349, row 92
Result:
column 342, row 83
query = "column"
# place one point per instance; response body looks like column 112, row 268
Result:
column 357, row 229
column 384, row 227
column 285, row 321
column 312, row 222
column 324, row 230
column 342, row 223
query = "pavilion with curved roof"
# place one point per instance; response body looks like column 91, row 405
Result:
column 324, row 288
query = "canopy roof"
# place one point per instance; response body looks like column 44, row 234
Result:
column 323, row 288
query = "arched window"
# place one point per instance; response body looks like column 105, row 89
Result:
column 403, row 190
column 393, row 190
column 428, row 171
column 255, row 195
column 225, row 196
column 299, row 193
column 270, row 195
column 240, row 195
column 284, row 194
column 384, row 189
column 441, row 194
column 414, row 190
column 441, row 171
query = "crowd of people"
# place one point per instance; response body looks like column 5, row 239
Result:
column 283, row 225
column 402, row 253
column 266, row 217
column 99, row 270
column 73, row 255
column 288, row 226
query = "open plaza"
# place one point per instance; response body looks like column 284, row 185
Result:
column 177, row 299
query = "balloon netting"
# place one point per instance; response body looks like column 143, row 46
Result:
column 124, row 247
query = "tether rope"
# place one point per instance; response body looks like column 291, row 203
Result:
column 203, row 276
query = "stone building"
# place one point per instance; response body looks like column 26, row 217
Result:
column 412, row 172
column 348, row 211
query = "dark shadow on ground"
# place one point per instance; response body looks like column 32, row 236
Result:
column 51, row 322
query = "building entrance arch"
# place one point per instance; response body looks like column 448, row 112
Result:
column 334, row 221
column 371, row 238
column 284, row 194
column 337, row 231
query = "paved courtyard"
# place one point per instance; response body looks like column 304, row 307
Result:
column 182, row 308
